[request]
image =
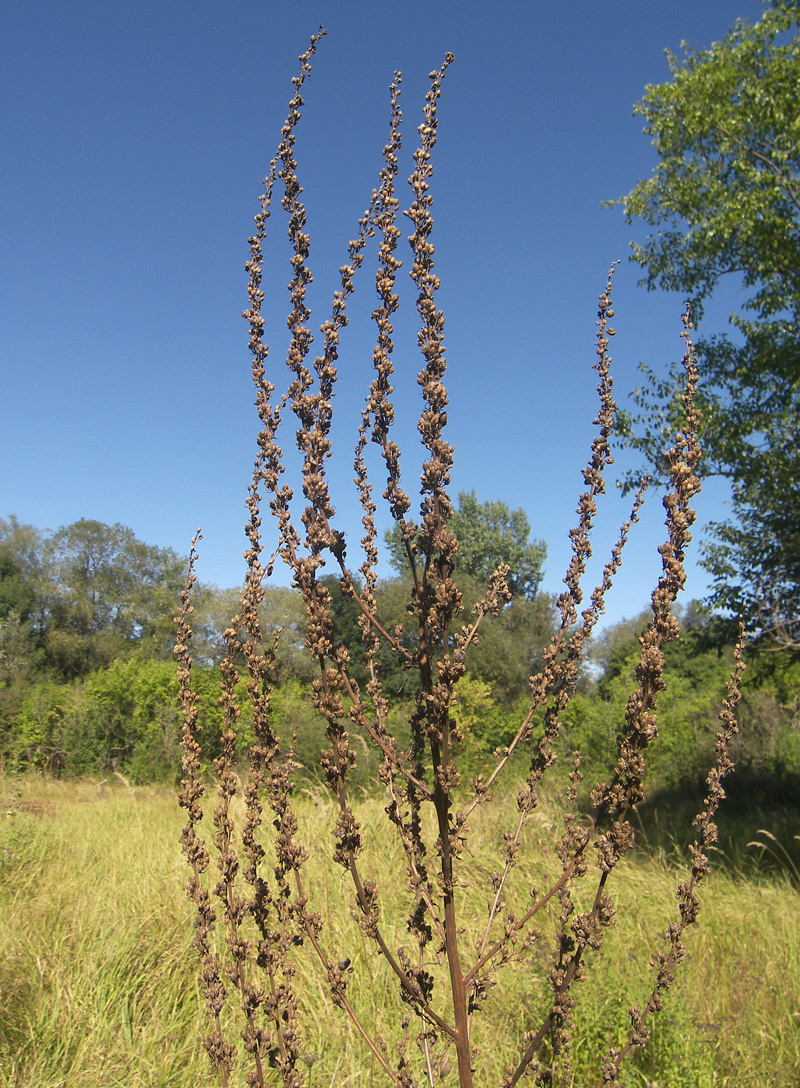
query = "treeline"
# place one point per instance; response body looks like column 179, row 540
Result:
column 88, row 683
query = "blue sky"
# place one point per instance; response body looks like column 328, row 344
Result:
column 135, row 139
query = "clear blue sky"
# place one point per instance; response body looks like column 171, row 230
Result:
column 135, row 137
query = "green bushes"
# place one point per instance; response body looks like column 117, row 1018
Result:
column 123, row 718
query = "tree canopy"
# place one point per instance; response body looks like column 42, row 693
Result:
column 724, row 198
column 488, row 533
column 88, row 591
column 88, row 683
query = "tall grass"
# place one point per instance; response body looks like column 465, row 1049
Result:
column 98, row 983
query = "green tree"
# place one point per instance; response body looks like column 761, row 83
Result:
column 17, row 551
column 18, row 668
column 488, row 533
column 696, row 669
column 510, row 646
column 282, row 615
column 123, row 717
column 725, row 199
column 20, row 642
column 22, row 574
column 391, row 598
column 108, row 592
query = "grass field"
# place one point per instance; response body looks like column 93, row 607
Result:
column 99, row 987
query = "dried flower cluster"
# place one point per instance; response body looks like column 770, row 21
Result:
column 263, row 909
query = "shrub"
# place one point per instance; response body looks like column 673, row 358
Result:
column 122, row 718
column 452, row 947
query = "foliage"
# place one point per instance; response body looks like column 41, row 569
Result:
column 20, row 549
column 755, row 561
column 512, row 644
column 123, row 718
column 488, row 534
column 487, row 724
column 18, row 667
column 725, row 197
column 281, row 615
column 21, row 603
column 52, row 730
column 86, row 593
column 509, row 649
column 770, row 745
column 108, row 591
column 696, row 670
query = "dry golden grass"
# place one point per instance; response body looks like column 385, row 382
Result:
column 98, row 983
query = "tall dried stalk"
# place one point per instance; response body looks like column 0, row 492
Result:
column 266, row 915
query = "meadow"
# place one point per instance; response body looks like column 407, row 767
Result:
column 457, row 921
column 99, row 983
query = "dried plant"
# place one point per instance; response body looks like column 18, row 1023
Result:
column 261, row 912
